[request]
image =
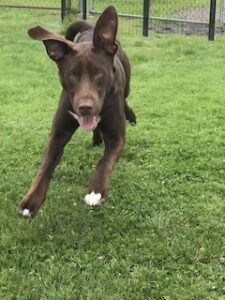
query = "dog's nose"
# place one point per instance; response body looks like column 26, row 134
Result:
column 85, row 109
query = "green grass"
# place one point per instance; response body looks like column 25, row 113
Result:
column 161, row 233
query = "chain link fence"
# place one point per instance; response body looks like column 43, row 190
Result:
column 190, row 17
column 33, row 4
column 130, row 14
column 62, row 7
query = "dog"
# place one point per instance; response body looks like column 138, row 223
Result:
column 94, row 73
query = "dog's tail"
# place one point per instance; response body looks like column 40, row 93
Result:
column 75, row 28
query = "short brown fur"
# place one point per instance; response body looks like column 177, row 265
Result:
column 95, row 75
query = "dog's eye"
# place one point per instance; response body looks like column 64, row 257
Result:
column 73, row 75
column 99, row 74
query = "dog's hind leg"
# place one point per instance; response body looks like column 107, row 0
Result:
column 130, row 115
column 97, row 137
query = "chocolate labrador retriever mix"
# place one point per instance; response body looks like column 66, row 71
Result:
column 94, row 73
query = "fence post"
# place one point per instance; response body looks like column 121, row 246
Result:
column 212, row 20
column 146, row 4
column 63, row 8
column 84, row 9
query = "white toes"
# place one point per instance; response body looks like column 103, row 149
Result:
column 93, row 199
column 25, row 213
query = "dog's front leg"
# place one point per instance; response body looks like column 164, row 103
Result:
column 34, row 198
column 62, row 129
column 99, row 185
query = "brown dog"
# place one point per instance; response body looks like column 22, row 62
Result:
column 94, row 73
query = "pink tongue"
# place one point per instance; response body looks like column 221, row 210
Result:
column 88, row 123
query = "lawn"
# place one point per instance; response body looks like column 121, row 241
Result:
column 161, row 233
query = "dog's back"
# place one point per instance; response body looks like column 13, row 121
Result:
column 81, row 27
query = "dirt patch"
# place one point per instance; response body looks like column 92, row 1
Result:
column 198, row 15
column 190, row 21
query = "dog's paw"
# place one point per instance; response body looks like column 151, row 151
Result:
column 25, row 213
column 93, row 199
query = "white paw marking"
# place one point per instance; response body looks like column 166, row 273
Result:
column 93, row 199
column 25, row 213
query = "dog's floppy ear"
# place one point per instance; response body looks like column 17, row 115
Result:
column 105, row 31
column 56, row 46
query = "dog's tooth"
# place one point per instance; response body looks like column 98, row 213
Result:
column 73, row 115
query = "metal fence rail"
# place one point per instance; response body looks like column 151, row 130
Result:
column 32, row 4
column 64, row 7
column 190, row 17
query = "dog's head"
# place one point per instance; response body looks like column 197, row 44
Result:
column 86, row 69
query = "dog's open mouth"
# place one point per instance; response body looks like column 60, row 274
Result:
column 88, row 123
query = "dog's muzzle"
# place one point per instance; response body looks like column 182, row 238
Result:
column 88, row 123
